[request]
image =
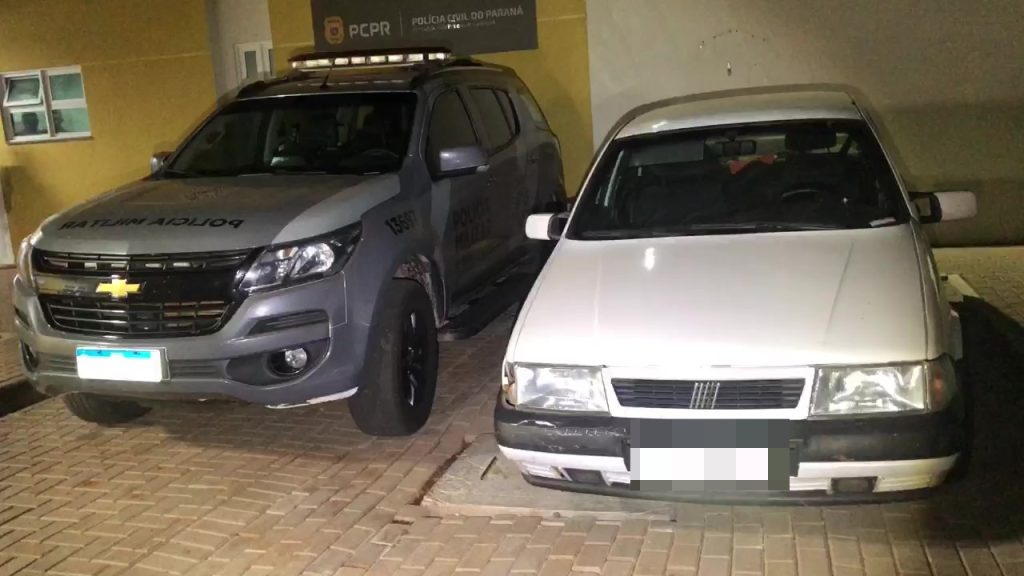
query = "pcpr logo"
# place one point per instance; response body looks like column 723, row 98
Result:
column 334, row 30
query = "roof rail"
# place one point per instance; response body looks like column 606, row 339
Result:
column 253, row 87
column 460, row 62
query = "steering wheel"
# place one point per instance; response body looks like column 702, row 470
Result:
column 378, row 152
column 801, row 192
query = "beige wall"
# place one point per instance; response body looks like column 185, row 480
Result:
column 148, row 78
column 557, row 73
column 945, row 77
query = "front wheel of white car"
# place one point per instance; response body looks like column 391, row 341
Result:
column 397, row 394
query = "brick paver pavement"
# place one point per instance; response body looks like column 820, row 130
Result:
column 220, row 488
column 10, row 365
column 996, row 273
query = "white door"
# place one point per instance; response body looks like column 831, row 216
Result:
column 255, row 60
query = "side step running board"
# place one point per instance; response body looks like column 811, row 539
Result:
column 488, row 306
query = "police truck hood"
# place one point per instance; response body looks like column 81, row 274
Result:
column 776, row 299
column 207, row 214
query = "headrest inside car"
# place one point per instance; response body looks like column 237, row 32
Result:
column 807, row 139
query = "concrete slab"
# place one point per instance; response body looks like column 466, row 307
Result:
column 481, row 482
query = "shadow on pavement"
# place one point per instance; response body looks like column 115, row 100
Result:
column 987, row 503
column 328, row 430
column 985, row 506
column 17, row 395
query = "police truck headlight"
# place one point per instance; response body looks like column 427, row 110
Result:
column 281, row 266
column 574, row 388
column 25, row 262
column 858, row 390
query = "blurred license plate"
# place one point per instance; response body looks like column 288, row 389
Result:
column 727, row 464
column 729, row 455
column 127, row 364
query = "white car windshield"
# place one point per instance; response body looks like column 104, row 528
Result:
column 741, row 179
column 308, row 134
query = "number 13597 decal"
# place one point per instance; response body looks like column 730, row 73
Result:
column 401, row 223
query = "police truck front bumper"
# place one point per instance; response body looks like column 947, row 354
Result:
column 231, row 363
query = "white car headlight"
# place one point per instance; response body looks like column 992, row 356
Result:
column 557, row 388
column 856, row 390
column 284, row 265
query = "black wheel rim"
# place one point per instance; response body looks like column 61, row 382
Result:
column 414, row 358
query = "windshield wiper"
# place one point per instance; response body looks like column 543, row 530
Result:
column 707, row 229
column 613, row 234
column 172, row 173
column 726, row 227
column 301, row 172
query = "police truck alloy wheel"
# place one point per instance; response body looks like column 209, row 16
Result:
column 414, row 356
column 398, row 392
column 100, row 410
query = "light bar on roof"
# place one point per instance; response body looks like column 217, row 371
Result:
column 371, row 60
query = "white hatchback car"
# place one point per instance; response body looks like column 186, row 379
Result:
column 743, row 303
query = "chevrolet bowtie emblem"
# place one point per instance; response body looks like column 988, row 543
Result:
column 117, row 288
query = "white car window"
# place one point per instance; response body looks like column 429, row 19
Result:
column 759, row 178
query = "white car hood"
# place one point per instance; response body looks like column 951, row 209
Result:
column 777, row 299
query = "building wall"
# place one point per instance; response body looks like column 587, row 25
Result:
column 148, row 79
column 234, row 22
column 944, row 78
column 557, row 73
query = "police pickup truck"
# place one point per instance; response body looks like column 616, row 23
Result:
column 310, row 241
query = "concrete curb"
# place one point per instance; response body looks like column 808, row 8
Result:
column 480, row 482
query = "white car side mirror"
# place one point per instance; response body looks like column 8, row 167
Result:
column 945, row 206
column 546, row 226
column 957, row 205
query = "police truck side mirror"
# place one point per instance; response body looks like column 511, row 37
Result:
column 156, row 163
column 461, row 161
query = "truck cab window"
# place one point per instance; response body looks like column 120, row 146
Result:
column 493, row 117
column 450, row 126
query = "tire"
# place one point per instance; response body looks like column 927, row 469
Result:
column 100, row 410
column 397, row 392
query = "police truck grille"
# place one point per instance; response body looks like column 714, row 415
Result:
column 709, row 395
column 88, row 264
column 173, row 294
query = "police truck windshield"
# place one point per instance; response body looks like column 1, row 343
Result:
column 314, row 134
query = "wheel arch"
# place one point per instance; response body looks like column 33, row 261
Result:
column 425, row 272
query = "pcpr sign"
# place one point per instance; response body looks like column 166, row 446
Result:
column 464, row 26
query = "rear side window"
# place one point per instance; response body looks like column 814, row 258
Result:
column 450, row 126
column 493, row 116
column 536, row 114
column 510, row 111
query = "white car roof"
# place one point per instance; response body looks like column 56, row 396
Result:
column 724, row 108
